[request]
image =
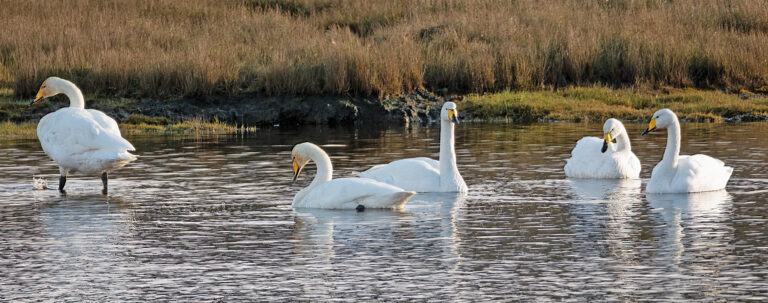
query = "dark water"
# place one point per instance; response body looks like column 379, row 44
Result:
column 209, row 218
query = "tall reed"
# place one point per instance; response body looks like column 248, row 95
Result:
column 137, row 48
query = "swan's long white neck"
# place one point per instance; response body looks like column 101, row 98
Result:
column 622, row 142
column 324, row 166
column 74, row 94
column 324, row 172
column 448, row 169
column 672, row 152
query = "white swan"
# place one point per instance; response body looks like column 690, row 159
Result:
column 425, row 174
column 683, row 174
column 614, row 161
column 345, row 193
column 78, row 139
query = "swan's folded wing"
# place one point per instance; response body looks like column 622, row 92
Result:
column 702, row 173
column 416, row 174
column 429, row 161
column 347, row 193
column 74, row 131
column 109, row 125
column 701, row 165
column 586, row 159
column 588, row 147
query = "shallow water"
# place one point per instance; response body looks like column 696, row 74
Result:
column 205, row 218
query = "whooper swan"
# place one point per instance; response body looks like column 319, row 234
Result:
column 425, row 174
column 611, row 161
column 683, row 174
column 80, row 140
column 345, row 193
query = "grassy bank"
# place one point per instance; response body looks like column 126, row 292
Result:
column 28, row 129
column 139, row 48
column 598, row 104
column 594, row 104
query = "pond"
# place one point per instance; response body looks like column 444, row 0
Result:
column 207, row 218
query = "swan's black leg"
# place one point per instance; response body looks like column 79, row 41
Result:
column 104, row 181
column 62, row 181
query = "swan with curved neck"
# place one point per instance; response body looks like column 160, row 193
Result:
column 344, row 193
column 425, row 174
column 597, row 158
column 78, row 139
column 683, row 174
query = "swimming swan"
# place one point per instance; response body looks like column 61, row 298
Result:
column 683, row 174
column 345, row 193
column 425, row 174
column 614, row 161
column 78, row 139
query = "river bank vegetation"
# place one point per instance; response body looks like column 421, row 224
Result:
column 596, row 104
column 177, row 48
column 147, row 125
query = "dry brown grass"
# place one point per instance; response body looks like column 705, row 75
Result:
column 176, row 47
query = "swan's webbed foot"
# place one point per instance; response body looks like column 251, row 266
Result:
column 104, row 181
column 62, row 182
column 360, row 208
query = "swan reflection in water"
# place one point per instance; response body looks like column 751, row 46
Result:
column 693, row 236
column 340, row 243
column 76, row 239
column 693, row 220
column 605, row 211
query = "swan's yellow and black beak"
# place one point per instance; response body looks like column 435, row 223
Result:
column 651, row 127
column 38, row 97
column 606, row 142
column 296, row 170
column 453, row 115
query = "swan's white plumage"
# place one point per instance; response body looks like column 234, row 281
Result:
column 416, row 174
column 424, row 174
column 617, row 162
column 697, row 173
column 348, row 193
column 345, row 193
column 683, row 174
column 81, row 140
column 85, row 141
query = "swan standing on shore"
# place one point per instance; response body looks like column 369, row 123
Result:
column 683, row 174
column 425, row 174
column 344, row 193
column 78, row 139
column 614, row 161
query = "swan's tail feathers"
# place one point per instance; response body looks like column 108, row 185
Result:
column 127, row 145
column 122, row 159
column 729, row 171
column 394, row 200
column 126, row 156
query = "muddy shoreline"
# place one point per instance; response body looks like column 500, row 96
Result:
column 419, row 107
column 257, row 110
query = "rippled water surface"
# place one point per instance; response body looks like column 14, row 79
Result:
column 209, row 218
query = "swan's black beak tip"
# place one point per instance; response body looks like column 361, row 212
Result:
column 605, row 147
column 646, row 131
